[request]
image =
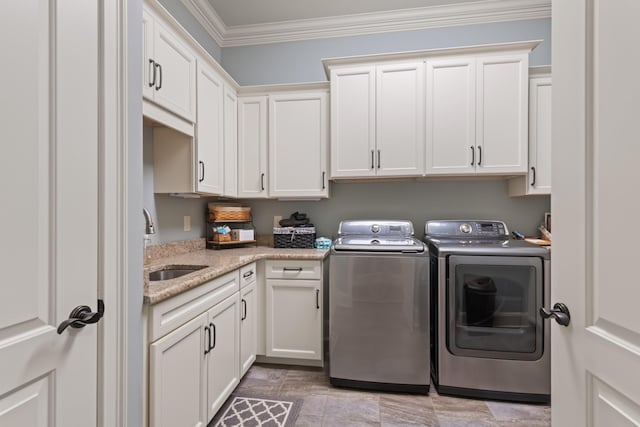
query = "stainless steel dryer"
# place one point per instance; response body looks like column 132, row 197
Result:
column 378, row 307
column 487, row 337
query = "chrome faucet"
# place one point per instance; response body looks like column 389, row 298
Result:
column 149, row 229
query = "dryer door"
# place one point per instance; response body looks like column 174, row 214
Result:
column 492, row 308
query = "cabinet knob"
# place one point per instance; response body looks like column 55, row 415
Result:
column 533, row 180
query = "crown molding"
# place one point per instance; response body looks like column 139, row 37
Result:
column 480, row 12
column 208, row 18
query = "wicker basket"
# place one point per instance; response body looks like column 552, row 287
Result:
column 294, row 237
column 219, row 237
column 229, row 213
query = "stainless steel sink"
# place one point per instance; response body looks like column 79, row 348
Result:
column 172, row 273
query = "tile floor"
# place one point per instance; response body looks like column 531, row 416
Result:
column 325, row 405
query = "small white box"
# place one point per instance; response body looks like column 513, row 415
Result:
column 240, row 234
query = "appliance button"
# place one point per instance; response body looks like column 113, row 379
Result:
column 465, row 228
column 375, row 228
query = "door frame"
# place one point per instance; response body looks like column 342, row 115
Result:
column 120, row 141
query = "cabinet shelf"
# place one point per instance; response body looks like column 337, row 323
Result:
column 211, row 244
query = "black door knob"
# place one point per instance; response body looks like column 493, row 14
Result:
column 81, row 316
column 559, row 312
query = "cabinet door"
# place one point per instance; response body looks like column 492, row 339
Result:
column 230, row 142
column 223, row 361
column 353, row 126
column 400, row 120
column 176, row 73
column 209, row 130
column 149, row 72
column 540, row 136
column 294, row 319
column 501, row 114
column 451, row 116
column 298, row 145
column 252, row 147
column 248, row 325
column 177, row 377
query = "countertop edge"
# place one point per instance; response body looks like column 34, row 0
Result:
column 180, row 285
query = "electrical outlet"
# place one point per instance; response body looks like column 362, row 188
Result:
column 276, row 220
column 187, row 223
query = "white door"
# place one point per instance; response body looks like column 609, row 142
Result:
column 252, row 147
column 248, row 327
column 49, row 184
column 353, row 122
column 176, row 73
column 451, row 116
column 177, row 376
column 502, row 89
column 209, row 131
column 223, row 359
column 298, row 135
column 595, row 204
column 400, row 119
column 294, row 319
column 539, row 181
column 230, row 107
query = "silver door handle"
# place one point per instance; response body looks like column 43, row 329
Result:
column 559, row 312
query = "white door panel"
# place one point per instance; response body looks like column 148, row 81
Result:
column 49, row 182
column 400, row 119
column 502, row 106
column 353, row 121
column 596, row 359
column 209, row 131
column 450, row 116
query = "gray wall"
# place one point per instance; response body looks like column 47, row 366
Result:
column 300, row 61
column 193, row 27
column 415, row 201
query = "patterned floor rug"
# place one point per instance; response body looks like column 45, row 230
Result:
column 254, row 411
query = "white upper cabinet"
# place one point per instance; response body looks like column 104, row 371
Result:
column 169, row 69
column 501, row 114
column 210, row 131
column 451, row 116
column 298, row 145
column 538, row 180
column 377, row 120
column 476, row 115
column 252, row 147
column 353, row 124
column 230, row 106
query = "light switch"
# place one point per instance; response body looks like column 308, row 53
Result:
column 187, row 223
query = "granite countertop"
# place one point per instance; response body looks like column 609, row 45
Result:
column 215, row 263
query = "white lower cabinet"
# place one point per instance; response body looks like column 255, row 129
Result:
column 248, row 327
column 194, row 362
column 177, row 377
column 223, row 358
column 294, row 309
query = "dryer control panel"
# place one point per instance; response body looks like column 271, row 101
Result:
column 466, row 228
